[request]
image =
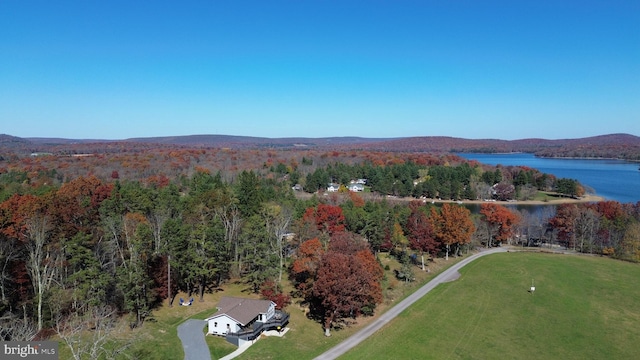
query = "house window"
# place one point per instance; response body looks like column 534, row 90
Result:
column 260, row 317
column 215, row 324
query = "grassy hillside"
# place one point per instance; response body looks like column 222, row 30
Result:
column 158, row 337
column 305, row 339
column 583, row 307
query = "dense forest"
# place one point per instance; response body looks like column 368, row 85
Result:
column 444, row 176
column 117, row 234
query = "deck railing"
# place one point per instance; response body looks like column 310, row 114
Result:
column 278, row 321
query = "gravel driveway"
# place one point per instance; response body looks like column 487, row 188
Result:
column 192, row 337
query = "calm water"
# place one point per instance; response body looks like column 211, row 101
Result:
column 612, row 179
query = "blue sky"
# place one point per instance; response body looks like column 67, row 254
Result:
column 472, row 69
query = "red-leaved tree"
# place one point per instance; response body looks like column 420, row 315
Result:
column 305, row 266
column 419, row 230
column 500, row 222
column 328, row 218
column 564, row 223
column 348, row 281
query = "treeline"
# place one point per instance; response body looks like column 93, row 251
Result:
column 138, row 164
column 464, row 181
column 617, row 151
column 397, row 174
column 130, row 245
column 607, row 228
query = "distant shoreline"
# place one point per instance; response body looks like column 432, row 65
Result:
column 583, row 199
column 372, row 196
column 582, row 158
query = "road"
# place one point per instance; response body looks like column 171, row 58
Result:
column 447, row 275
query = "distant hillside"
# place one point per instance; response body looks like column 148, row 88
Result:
column 8, row 141
column 617, row 146
column 232, row 141
column 620, row 146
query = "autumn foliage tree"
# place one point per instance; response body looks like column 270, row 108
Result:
column 305, row 266
column 77, row 203
column 564, row 223
column 600, row 227
column 270, row 290
column 347, row 282
column 328, row 219
column 452, row 226
column 500, row 222
column 419, row 230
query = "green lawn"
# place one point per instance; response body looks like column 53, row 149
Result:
column 305, row 339
column 583, row 308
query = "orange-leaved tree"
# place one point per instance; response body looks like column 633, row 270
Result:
column 500, row 222
column 305, row 266
column 452, row 226
column 329, row 219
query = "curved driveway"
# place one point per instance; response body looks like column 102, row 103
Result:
column 447, row 275
column 192, row 337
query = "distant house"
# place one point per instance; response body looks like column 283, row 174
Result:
column 242, row 320
column 333, row 187
column 356, row 187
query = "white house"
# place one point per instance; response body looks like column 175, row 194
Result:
column 356, row 187
column 241, row 320
column 333, row 187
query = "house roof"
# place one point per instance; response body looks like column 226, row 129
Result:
column 240, row 309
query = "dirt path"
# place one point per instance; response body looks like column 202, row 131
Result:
column 447, row 275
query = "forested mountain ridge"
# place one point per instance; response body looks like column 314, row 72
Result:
column 620, row 146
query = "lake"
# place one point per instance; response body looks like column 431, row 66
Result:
column 612, row 179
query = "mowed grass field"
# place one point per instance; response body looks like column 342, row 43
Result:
column 306, row 340
column 583, row 308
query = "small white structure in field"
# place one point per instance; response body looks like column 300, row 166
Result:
column 533, row 288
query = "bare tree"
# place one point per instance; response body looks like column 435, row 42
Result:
column 586, row 226
column 482, row 190
column 229, row 215
column 157, row 218
column 13, row 328
column 524, row 229
column 278, row 221
column 87, row 335
column 9, row 251
column 41, row 260
column 113, row 225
